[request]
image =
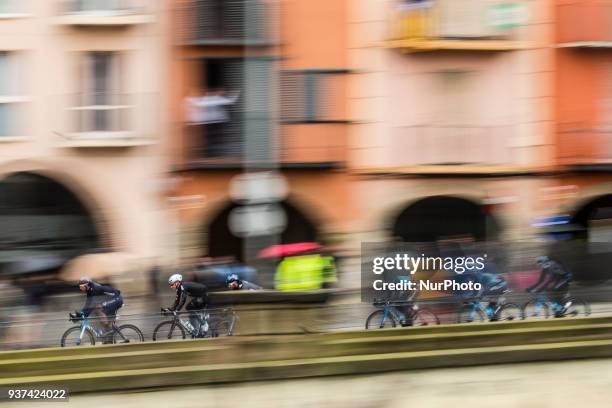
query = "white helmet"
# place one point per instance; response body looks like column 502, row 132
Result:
column 177, row 277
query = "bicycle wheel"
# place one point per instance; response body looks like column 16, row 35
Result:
column 535, row 310
column 577, row 308
column 467, row 314
column 509, row 312
column 71, row 337
column 127, row 333
column 378, row 320
column 221, row 326
column 424, row 317
column 168, row 330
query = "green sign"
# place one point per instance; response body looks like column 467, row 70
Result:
column 507, row 15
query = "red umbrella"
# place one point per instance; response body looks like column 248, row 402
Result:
column 276, row 251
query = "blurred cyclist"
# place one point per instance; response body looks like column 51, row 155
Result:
column 197, row 292
column 234, row 282
column 102, row 300
column 494, row 286
column 554, row 279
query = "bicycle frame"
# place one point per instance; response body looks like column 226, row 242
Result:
column 85, row 324
column 542, row 299
column 204, row 316
column 391, row 310
column 488, row 310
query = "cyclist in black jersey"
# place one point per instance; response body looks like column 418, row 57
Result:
column 197, row 292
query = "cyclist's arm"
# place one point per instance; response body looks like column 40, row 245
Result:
column 179, row 301
column 542, row 281
column 89, row 306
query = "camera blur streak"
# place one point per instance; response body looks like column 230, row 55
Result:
column 217, row 164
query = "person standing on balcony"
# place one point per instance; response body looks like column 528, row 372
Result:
column 211, row 110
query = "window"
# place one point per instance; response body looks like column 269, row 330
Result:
column 11, row 6
column 101, row 105
column 226, row 21
column 98, row 5
column 11, row 99
column 312, row 96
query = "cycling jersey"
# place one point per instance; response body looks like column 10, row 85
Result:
column 107, row 296
column 552, row 277
column 196, row 291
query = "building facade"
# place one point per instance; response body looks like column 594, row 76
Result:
column 81, row 126
column 276, row 76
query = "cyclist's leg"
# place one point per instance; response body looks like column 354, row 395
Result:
column 406, row 310
column 109, row 314
column 559, row 296
column 193, row 307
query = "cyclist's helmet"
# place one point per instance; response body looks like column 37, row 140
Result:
column 540, row 260
column 177, row 277
column 232, row 278
column 84, row 281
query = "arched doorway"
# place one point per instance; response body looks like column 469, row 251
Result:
column 442, row 217
column 222, row 242
column 589, row 251
column 595, row 217
column 42, row 219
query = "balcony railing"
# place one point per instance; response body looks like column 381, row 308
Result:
column 585, row 146
column 452, row 24
column 584, row 23
column 226, row 22
column 104, row 12
column 107, row 121
column 450, row 145
column 221, row 145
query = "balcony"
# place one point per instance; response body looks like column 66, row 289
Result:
column 108, row 121
column 450, row 145
column 220, row 146
column 590, row 146
column 469, row 25
column 225, row 23
column 585, row 25
column 104, row 13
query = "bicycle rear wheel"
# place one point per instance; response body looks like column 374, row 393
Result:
column 424, row 317
column 509, row 312
column 168, row 330
column 577, row 308
column 221, row 326
column 127, row 333
column 467, row 314
column 71, row 337
column 378, row 320
column 535, row 310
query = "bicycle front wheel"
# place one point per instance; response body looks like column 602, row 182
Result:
column 167, row 331
column 535, row 310
column 378, row 320
column 509, row 312
column 128, row 333
column 467, row 314
column 424, row 317
column 577, row 308
column 72, row 337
